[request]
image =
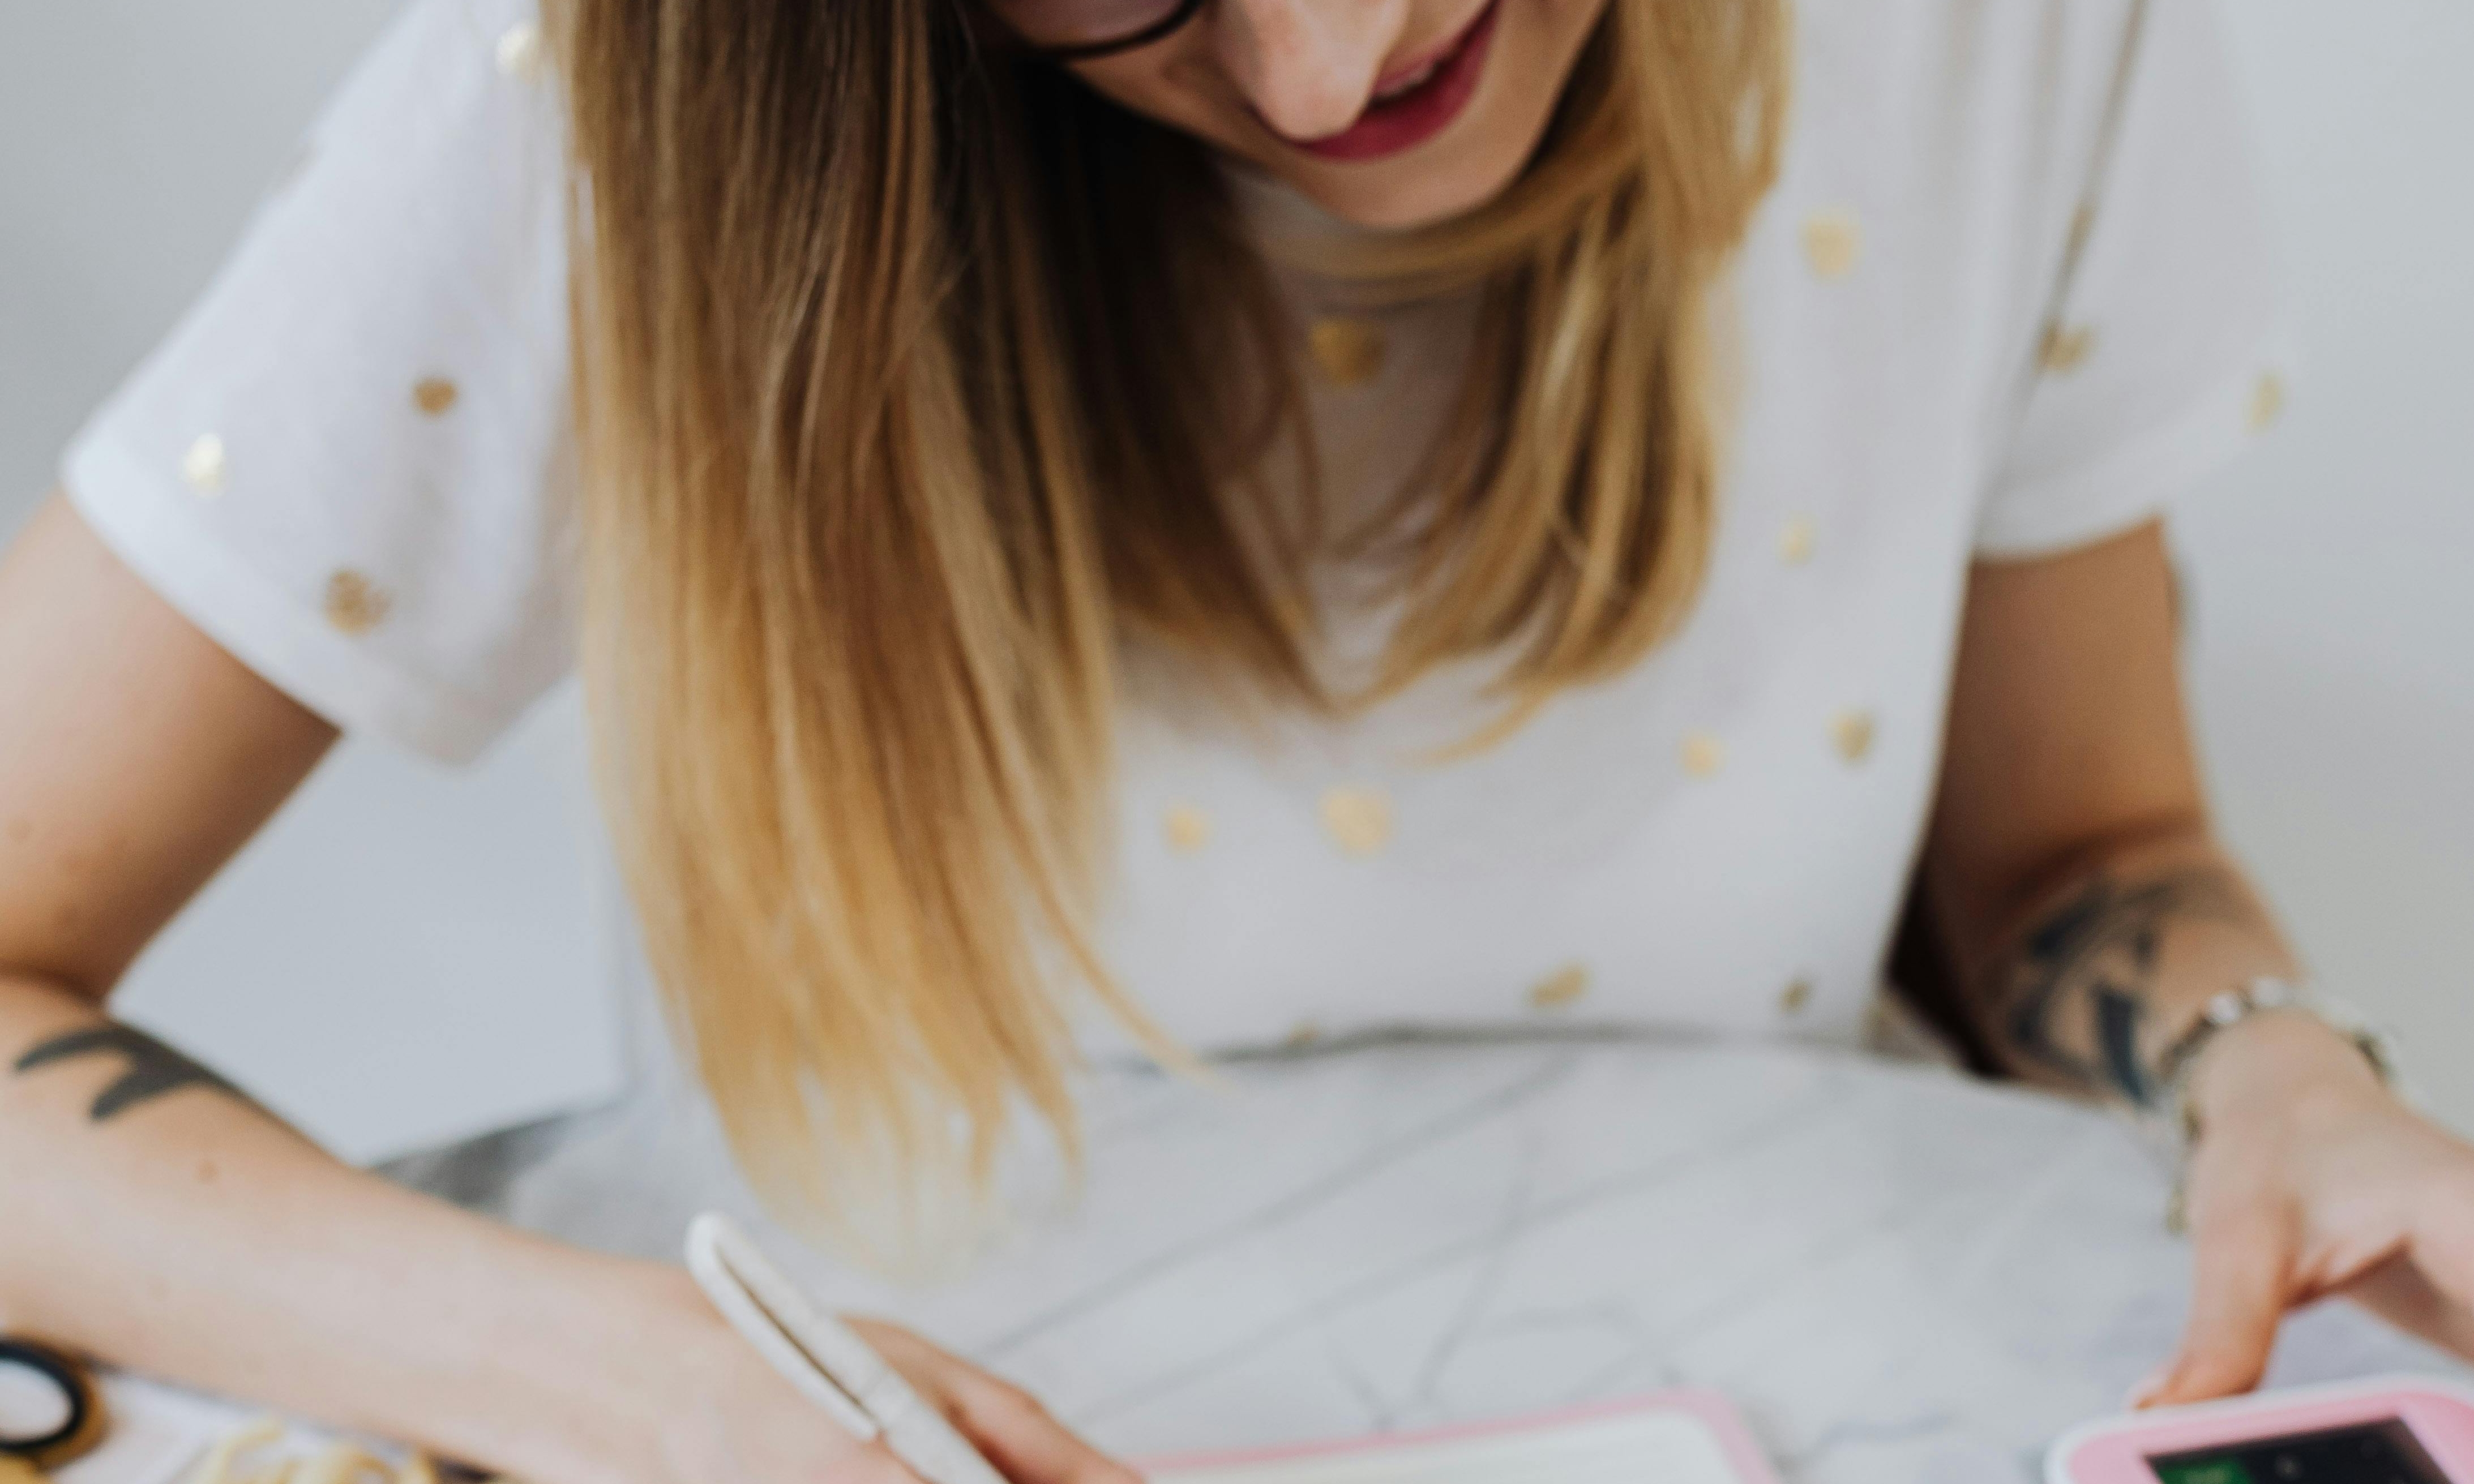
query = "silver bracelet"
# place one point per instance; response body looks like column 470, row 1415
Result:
column 2223, row 1013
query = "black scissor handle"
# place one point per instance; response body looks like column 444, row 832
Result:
column 78, row 1429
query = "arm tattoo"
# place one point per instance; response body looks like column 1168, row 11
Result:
column 2076, row 993
column 149, row 1068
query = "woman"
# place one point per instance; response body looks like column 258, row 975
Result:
column 1462, row 501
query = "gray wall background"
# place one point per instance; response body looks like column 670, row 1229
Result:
column 409, row 954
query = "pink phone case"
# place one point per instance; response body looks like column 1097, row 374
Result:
column 1708, row 1407
column 2116, row 1451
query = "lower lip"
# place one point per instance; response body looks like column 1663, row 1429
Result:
column 1418, row 115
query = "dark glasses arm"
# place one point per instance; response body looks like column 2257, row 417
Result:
column 1157, row 31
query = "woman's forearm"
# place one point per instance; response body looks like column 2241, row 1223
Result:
column 2114, row 957
column 162, row 1221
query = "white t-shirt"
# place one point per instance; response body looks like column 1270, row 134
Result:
column 2012, row 293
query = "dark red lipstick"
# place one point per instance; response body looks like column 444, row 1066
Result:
column 1417, row 101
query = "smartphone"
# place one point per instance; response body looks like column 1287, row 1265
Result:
column 2394, row 1430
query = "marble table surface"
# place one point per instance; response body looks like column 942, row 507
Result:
column 1898, row 1273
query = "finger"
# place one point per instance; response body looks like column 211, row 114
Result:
column 874, row 1464
column 2244, row 1273
column 1027, row 1445
column 1003, row 1422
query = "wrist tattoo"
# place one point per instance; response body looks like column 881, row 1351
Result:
column 2074, row 996
column 149, row 1068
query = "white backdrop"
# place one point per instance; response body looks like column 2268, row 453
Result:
column 409, row 954
column 2334, row 662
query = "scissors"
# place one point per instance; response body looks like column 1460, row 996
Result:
column 31, row 1457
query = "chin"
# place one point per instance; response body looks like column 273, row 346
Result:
column 1405, row 196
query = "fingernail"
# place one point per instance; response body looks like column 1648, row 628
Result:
column 2146, row 1391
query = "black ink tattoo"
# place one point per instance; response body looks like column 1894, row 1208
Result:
column 150, row 1068
column 2096, row 956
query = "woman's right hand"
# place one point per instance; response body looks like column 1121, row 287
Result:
column 738, row 1421
column 178, row 1230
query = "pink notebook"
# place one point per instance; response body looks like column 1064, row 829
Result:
column 1675, row 1437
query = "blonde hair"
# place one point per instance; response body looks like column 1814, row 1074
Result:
column 905, row 407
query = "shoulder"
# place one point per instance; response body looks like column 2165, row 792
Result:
column 1962, row 93
column 347, row 463
column 1926, row 58
column 449, row 127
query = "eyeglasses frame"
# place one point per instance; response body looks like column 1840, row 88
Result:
column 1160, row 29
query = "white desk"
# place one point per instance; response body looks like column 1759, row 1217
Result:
column 1903, row 1276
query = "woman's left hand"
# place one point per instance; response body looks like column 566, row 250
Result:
column 2310, row 1178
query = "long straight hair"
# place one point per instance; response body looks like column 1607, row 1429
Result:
column 919, row 385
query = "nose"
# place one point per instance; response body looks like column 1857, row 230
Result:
column 1308, row 67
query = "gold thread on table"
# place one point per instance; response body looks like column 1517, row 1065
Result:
column 1301, row 1036
column 1834, row 242
column 356, row 605
column 2267, row 401
column 1348, row 350
column 1852, row 733
column 1797, row 539
column 1359, row 819
column 341, row 1463
column 2065, row 348
column 1704, row 754
column 1187, row 828
column 257, row 1443
column 1563, row 987
column 227, row 1449
column 205, row 467
column 435, row 396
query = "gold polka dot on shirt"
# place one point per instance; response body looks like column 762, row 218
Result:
column 1832, row 242
column 1796, row 997
column 356, row 605
column 206, row 466
column 2267, row 401
column 1852, row 733
column 1188, row 828
column 1563, row 987
column 1797, row 538
column 1704, row 754
column 1348, row 350
column 2065, row 347
column 1359, row 819
column 520, row 50
column 435, row 396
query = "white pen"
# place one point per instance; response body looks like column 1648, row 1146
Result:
column 819, row 1354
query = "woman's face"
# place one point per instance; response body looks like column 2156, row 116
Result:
column 1389, row 114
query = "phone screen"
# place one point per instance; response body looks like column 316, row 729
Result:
column 2373, row 1453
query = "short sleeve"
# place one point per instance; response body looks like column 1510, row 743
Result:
column 2160, row 353
column 350, row 463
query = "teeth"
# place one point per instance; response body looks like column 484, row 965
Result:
column 1410, row 84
